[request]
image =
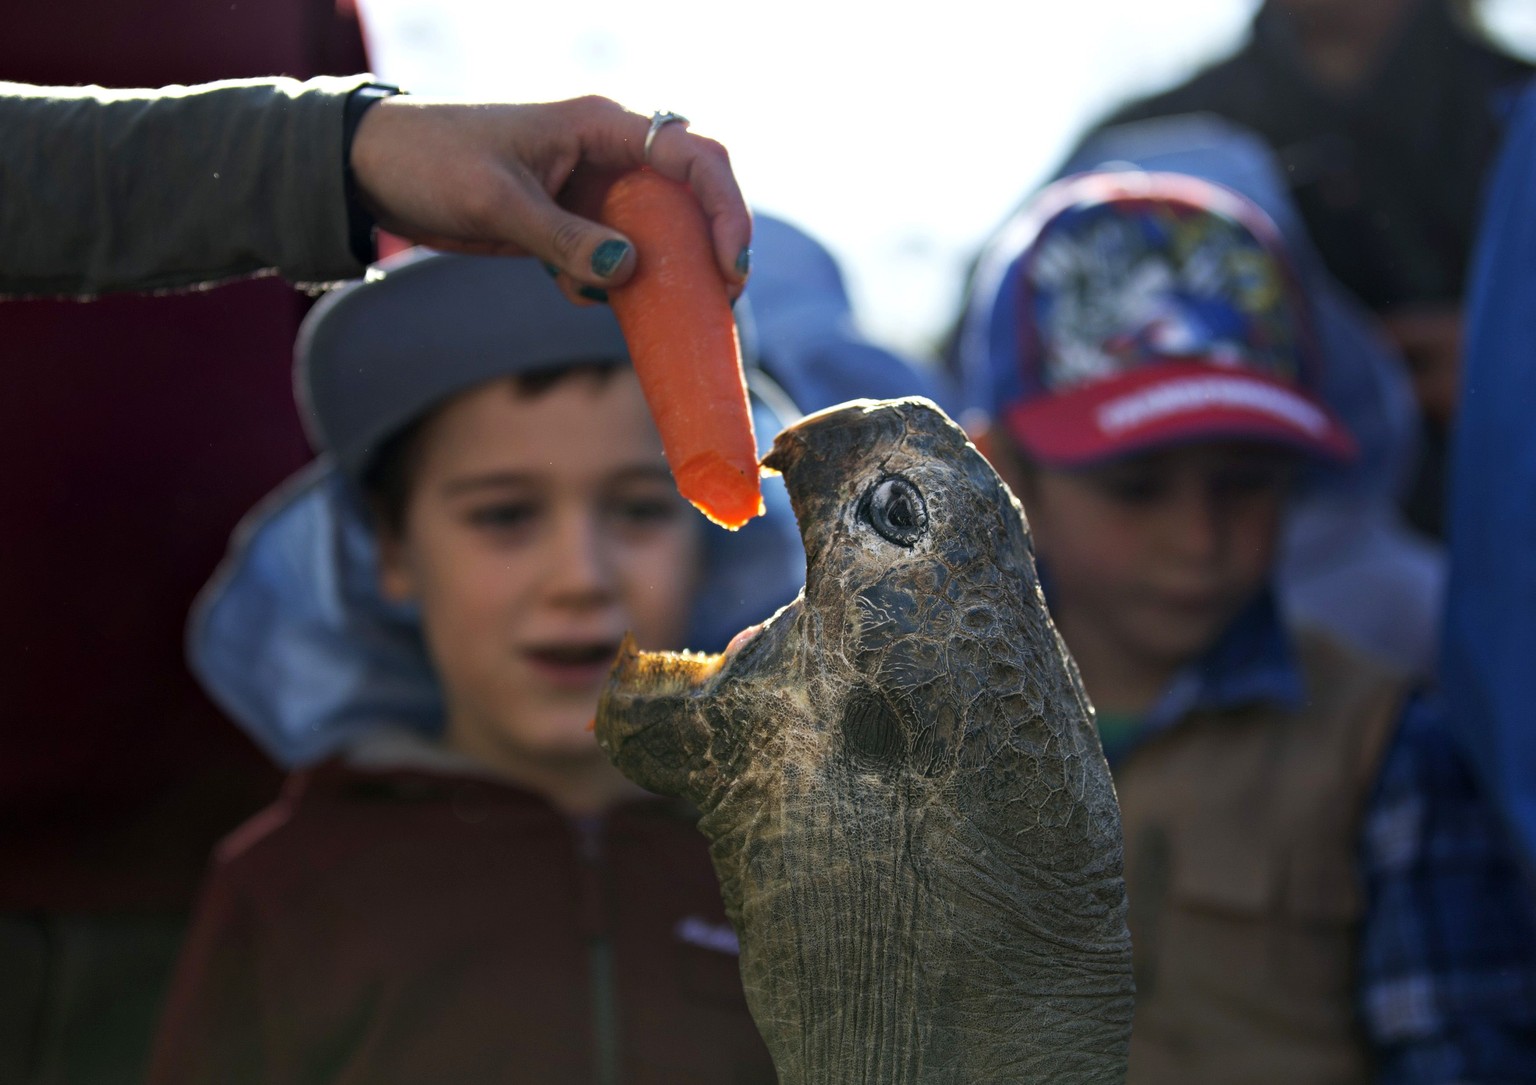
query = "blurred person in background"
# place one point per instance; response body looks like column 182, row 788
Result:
column 134, row 432
column 1319, row 889
column 456, row 885
column 1385, row 116
column 1490, row 631
column 1349, row 562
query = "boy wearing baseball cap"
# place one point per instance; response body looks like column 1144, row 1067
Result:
column 1143, row 356
column 456, row 885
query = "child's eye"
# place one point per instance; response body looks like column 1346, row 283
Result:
column 646, row 510
column 1250, row 481
column 503, row 514
column 1132, row 489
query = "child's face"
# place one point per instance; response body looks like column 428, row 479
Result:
column 1156, row 554
column 538, row 530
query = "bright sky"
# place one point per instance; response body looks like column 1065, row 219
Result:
column 899, row 137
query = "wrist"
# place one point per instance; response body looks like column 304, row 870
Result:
column 361, row 225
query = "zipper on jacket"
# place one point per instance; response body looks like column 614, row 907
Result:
column 594, row 907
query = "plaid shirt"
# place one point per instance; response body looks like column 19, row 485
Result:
column 1448, row 946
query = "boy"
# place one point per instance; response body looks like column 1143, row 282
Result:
column 466, row 890
column 1158, row 398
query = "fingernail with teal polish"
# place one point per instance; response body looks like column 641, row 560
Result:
column 744, row 262
column 554, row 272
column 607, row 257
column 593, row 293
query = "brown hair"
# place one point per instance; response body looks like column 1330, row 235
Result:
column 388, row 480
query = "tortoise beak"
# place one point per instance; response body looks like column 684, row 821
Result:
column 649, row 718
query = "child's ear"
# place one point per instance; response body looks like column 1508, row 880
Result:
column 396, row 582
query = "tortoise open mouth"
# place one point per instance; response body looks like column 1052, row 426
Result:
column 667, row 690
column 649, row 711
column 663, row 673
column 660, row 673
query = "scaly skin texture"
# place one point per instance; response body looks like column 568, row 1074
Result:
column 909, row 811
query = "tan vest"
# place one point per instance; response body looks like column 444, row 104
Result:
column 1241, row 836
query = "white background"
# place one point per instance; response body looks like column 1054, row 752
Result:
column 898, row 134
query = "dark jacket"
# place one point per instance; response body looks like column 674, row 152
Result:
column 152, row 422
column 162, row 420
column 393, row 925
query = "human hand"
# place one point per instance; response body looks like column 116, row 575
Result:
column 521, row 180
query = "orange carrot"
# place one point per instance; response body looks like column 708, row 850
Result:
column 676, row 318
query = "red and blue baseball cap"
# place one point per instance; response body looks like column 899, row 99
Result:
column 1126, row 311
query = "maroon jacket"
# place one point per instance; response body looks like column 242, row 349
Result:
column 391, row 926
column 134, row 433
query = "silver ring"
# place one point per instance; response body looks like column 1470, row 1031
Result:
column 660, row 120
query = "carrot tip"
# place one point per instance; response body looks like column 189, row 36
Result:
column 725, row 491
column 731, row 521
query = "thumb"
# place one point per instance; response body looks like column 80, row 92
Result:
column 585, row 250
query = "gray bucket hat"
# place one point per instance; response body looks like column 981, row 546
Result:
column 376, row 354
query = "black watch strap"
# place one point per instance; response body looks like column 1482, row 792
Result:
column 361, row 226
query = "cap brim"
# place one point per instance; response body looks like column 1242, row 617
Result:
column 1174, row 403
column 378, row 353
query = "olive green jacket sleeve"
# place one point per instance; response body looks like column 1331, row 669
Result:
column 104, row 190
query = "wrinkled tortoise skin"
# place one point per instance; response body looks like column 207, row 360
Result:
column 909, row 811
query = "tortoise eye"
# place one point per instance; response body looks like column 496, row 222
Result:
column 894, row 507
